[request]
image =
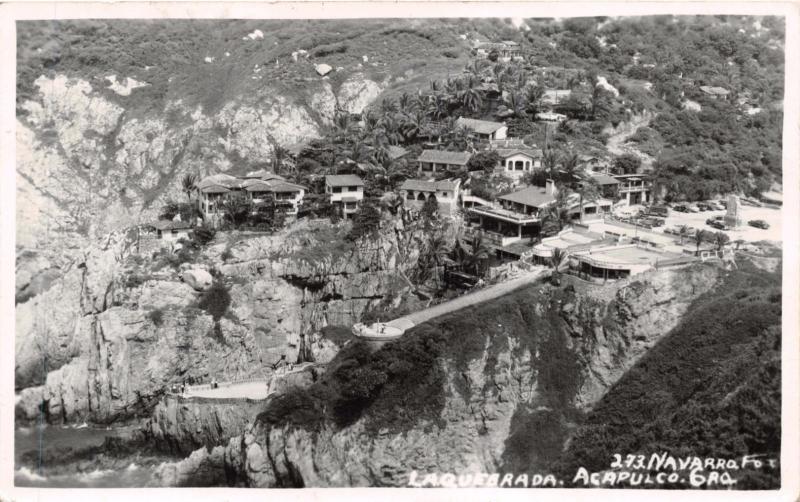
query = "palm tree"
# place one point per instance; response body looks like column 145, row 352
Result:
column 279, row 154
column 188, row 183
column 588, row 191
column 550, row 163
column 414, row 124
column 477, row 252
column 404, row 102
column 388, row 106
column 569, row 163
column 683, row 231
column 472, row 100
column 557, row 258
column 515, row 104
column 720, row 239
column 699, row 238
column 556, row 261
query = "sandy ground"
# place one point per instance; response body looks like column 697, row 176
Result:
column 745, row 232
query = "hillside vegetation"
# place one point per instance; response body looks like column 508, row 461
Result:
column 711, row 388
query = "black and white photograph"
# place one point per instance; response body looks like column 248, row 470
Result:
column 463, row 251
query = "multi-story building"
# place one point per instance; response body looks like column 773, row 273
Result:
column 346, row 190
column 518, row 161
column 445, row 192
column 634, row 188
column 431, row 162
column 257, row 187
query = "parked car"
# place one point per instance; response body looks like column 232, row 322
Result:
column 717, row 205
column 660, row 211
column 704, row 206
column 717, row 224
column 758, row 224
column 693, row 209
column 681, row 208
column 713, row 219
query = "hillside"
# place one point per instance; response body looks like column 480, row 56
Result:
column 470, row 386
column 679, row 361
column 710, row 388
column 112, row 114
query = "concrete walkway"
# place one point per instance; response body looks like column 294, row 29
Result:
column 253, row 388
column 396, row 328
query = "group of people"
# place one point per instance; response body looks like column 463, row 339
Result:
column 181, row 389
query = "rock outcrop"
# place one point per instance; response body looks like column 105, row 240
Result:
column 104, row 341
column 553, row 354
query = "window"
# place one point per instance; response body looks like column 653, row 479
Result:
column 352, row 189
column 337, row 189
column 409, row 196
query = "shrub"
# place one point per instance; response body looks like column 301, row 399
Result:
column 203, row 235
column 216, row 300
column 337, row 334
column 367, row 221
column 156, row 317
column 133, row 281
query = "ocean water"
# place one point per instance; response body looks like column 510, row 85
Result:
column 37, row 449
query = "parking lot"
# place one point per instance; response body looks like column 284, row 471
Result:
column 745, row 232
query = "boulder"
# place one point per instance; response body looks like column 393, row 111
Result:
column 323, row 69
column 198, row 279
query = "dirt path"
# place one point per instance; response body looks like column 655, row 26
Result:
column 619, row 135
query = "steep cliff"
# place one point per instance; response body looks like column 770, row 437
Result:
column 498, row 387
column 103, row 342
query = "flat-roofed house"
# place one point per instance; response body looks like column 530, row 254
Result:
column 432, row 161
column 446, row 192
column 634, row 188
column 346, row 190
column 555, row 96
column 715, row 92
column 171, row 230
column 609, row 185
column 484, row 129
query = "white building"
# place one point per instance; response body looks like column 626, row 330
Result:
column 257, row 187
column 445, row 192
column 170, row 230
column 484, row 129
column 346, row 190
column 517, row 162
column 432, row 161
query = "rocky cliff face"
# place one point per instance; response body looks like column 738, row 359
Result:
column 105, row 340
column 86, row 165
column 509, row 389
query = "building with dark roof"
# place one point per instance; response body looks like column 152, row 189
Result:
column 431, row 161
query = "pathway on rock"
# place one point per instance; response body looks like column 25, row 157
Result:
column 256, row 388
column 396, row 328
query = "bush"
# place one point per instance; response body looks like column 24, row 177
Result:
column 337, row 334
column 366, row 221
column 203, row 235
column 156, row 317
column 216, row 300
